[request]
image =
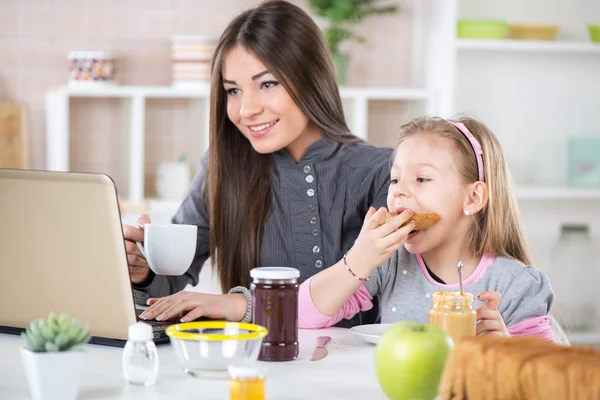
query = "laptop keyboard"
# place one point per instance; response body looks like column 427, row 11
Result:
column 154, row 323
column 151, row 322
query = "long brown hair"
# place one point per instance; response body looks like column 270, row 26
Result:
column 497, row 228
column 293, row 49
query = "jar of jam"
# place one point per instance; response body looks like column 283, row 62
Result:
column 460, row 319
column 275, row 306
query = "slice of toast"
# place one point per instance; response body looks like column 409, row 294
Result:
column 423, row 220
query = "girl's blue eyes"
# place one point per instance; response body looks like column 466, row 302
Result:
column 263, row 85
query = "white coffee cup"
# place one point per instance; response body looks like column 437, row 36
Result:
column 169, row 249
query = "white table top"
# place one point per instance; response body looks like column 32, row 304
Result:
column 348, row 372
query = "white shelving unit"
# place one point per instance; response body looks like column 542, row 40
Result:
column 58, row 101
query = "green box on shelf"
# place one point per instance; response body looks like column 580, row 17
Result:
column 594, row 33
column 481, row 29
column 584, row 162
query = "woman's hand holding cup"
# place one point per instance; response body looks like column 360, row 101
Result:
column 138, row 266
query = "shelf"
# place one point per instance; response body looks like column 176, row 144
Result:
column 117, row 91
column 529, row 46
column 385, row 93
column 557, row 193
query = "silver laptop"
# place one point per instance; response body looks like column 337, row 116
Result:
column 62, row 250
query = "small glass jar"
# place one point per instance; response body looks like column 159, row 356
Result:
column 246, row 383
column 460, row 319
column 575, row 306
column 275, row 306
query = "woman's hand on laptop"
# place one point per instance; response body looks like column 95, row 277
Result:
column 138, row 267
column 188, row 306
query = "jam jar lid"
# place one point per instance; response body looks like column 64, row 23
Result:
column 274, row 273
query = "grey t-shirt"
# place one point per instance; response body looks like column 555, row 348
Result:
column 318, row 207
column 404, row 288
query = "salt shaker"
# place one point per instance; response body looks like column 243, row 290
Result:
column 140, row 357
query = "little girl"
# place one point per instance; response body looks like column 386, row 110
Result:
column 457, row 170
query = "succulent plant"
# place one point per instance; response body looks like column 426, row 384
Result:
column 56, row 334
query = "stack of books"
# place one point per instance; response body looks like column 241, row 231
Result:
column 191, row 60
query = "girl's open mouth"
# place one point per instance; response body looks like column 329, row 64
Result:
column 412, row 235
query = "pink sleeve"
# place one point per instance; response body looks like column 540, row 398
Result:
column 311, row 318
column 539, row 326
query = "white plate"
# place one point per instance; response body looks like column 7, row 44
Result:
column 370, row 333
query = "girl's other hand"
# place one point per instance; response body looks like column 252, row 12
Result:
column 490, row 320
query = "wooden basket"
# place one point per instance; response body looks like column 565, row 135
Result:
column 532, row 32
column 14, row 146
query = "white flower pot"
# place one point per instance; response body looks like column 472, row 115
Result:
column 53, row 375
column 173, row 180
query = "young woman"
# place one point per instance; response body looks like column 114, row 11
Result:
column 285, row 183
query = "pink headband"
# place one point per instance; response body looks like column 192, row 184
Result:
column 474, row 144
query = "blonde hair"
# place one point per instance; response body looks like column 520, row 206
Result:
column 497, row 228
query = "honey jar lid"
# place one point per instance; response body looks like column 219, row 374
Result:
column 460, row 300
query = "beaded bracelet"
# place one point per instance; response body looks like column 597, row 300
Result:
column 352, row 272
column 245, row 292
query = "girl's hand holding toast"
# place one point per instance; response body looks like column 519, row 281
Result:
column 376, row 243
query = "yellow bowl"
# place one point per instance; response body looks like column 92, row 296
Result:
column 206, row 349
column 532, row 32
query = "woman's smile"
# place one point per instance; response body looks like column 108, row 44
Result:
column 260, row 130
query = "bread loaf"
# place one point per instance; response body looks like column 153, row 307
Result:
column 525, row 367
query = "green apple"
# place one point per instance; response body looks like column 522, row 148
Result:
column 409, row 360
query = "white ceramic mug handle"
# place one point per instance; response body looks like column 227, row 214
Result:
column 139, row 244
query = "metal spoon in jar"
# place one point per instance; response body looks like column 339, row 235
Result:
column 460, row 265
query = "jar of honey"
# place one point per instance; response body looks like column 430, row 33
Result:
column 435, row 316
column 246, row 383
column 275, row 306
column 459, row 319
